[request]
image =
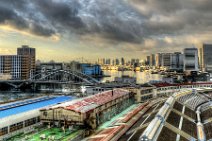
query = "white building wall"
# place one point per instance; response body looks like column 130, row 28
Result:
column 16, row 67
column 14, row 119
column 10, row 120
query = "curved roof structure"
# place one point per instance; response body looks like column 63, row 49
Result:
column 186, row 115
column 183, row 118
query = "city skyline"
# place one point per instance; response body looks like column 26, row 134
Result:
column 66, row 30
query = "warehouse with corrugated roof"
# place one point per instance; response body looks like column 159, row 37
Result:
column 22, row 116
column 90, row 111
column 184, row 116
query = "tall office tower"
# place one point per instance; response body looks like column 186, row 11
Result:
column 147, row 60
column 101, row 61
column 108, row 62
column 200, row 59
column 132, row 62
column 122, row 61
column 152, row 60
column 166, row 60
column 113, row 62
column 117, row 62
column 191, row 60
column 158, row 60
column 98, row 61
column 177, row 61
column 206, row 57
column 20, row 66
column 28, row 61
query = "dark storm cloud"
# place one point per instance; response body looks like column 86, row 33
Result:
column 15, row 14
column 119, row 20
column 9, row 16
column 115, row 19
column 112, row 19
column 176, row 16
column 61, row 13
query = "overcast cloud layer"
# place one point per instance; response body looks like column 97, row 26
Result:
column 143, row 23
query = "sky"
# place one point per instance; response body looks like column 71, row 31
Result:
column 64, row 30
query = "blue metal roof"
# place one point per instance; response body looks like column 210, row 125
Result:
column 21, row 103
column 32, row 106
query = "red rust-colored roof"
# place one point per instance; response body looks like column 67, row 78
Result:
column 107, row 134
column 181, row 84
column 110, row 132
column 91, row 102
column 131, row 114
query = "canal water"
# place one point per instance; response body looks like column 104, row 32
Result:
column 141, row 77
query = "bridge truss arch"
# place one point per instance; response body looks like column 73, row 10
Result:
column 63, row 76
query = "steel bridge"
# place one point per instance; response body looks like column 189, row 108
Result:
column 54, row 77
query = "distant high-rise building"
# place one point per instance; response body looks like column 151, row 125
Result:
column 107, row 62
column 20, row 66
column 117, row 62
column 101, row 61
column 158, row 60
column 191, row 60
column 28, row 63
column 201, row 58
column 147, row 60
column 122, row 61
column 206, row 57
column 166, row 60
column 132, row 62
column 113, row 62
column 177, row 61
column 170, row 61
column 152, row 60
column 135, row 62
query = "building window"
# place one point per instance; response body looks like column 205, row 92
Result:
column 3, row 131
column 16, row 126
column 30, row 122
